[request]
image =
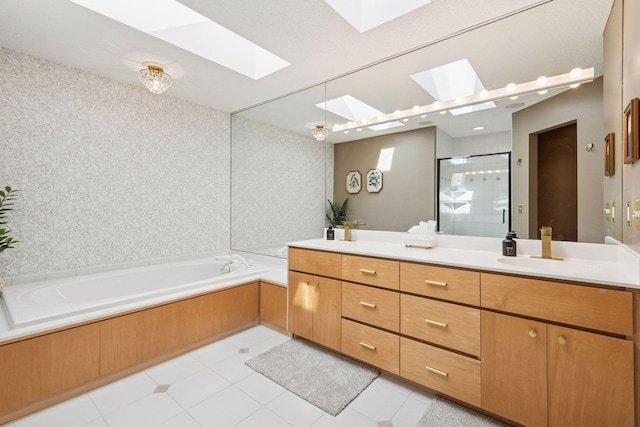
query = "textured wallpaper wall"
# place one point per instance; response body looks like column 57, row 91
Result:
column 278, row 184
column 108, row 172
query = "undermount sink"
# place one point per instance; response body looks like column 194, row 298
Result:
column 549, row 265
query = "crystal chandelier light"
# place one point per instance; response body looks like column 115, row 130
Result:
column 319, row 133
column 154, row 78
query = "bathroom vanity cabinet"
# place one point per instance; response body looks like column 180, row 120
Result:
column 537, row 352
column 534, row 370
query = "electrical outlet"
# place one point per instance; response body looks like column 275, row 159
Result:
column 636, row 215
column 520, row 208
column 607, row 211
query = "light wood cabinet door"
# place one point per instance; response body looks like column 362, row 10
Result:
column 315, row 308
column 301, row 304
column 327, row 313
column 273, row 306
column 514, row 368
column 590, row 379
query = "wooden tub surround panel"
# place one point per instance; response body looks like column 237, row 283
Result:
column 43, row 370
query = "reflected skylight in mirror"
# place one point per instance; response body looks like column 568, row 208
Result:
column 455, row 80
column 353, row 109
column 185, row 28
column 385, row 159
column 364, row 15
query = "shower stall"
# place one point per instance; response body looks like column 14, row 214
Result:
column 474, row 195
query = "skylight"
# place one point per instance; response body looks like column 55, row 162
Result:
column 364, row 15
column 450, row 81
column 353, row 109
column 175, row 23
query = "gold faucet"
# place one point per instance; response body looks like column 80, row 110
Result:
column 347, row 231
column 545, row 236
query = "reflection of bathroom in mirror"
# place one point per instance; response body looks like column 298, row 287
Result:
column 517, row 50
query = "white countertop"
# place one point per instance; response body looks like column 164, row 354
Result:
column 603, row 264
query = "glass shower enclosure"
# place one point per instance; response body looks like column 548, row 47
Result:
column 474, row 195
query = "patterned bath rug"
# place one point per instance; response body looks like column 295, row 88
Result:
column 321, row 377
column 442, row 413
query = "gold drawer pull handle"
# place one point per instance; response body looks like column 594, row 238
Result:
column 434, row 283
column 434, row 323
column 532, row 333
column 362, row 270
column 436, row 371
column 562, row 340
column 367, row 304
column 369, row 346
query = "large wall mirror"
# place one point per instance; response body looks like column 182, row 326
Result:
column 549, row 40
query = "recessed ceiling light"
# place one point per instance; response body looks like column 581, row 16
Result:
column 478, row 128
column 511, row 87
column 364, row 15
column 513, row 98
column 543, row 92
column 575, row 73
column 185, row 28
column 573, row 86
column 541, row 81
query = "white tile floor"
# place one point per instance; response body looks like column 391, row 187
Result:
column 212, row 386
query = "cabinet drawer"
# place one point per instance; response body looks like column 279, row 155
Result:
column 374, row 306
column 371, row 271
column 441, row 282
column 449, row 325
column 441, row 370
column 315, row 262
column 594, row 308
column 376, row 347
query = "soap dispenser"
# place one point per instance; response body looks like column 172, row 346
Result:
column 509, row 246
column 330, row 233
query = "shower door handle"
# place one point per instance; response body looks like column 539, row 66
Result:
column 504, row 211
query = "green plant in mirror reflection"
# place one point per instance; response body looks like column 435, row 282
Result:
column 338, row 213
column 7, row 197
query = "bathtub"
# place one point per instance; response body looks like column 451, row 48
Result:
column 40, row 302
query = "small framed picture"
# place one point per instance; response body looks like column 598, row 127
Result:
column 374, row 181
column 353, row 182
column 609, row 155
column 631, row 132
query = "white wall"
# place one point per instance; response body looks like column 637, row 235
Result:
column 108, row 173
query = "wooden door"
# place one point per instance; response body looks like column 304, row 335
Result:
column 514, row 368
column 590, row 379
column 328, row 312
column 558, row 182
column 301, row 304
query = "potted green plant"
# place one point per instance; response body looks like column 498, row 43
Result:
column 338, row 213
column 7, row 197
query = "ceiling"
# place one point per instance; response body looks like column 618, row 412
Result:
column 551, row 37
